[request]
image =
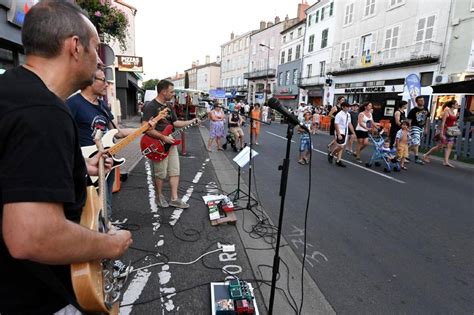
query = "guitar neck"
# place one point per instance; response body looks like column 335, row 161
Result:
column 125, row 141
column 176, row 133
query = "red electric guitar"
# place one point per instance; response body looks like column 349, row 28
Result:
column 157, row 150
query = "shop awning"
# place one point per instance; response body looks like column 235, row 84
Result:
column 285, row 97
column 461, row 87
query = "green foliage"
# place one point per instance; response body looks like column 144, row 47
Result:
column 150, row 84
column 110, row 21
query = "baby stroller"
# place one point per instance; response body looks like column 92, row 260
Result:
column 382, row 154
column 230, row 139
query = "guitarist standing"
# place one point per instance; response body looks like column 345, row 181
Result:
column 91, row 113
column 170, row 165
column 42, row 171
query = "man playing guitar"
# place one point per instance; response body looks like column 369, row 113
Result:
column 41, row 202
column 170, row 165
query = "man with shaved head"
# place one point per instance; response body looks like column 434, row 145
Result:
column 42, row 171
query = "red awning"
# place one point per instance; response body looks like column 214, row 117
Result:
column 285, row 97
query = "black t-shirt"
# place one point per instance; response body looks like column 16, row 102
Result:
column 419, row 117
column 89, row 117
column 234, row 119
column 153, row 108
column 40, row 161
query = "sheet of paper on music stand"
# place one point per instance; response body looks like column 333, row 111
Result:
column 244, row 156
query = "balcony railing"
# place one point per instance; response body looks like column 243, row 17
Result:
column 318, row 80
column 427, row 51
column 260, row 74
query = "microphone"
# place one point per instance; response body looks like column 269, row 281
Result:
column 273, row 103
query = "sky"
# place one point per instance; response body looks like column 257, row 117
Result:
column 171, row 34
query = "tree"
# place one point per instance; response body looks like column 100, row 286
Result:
column 186, row 80
column 150, row 84
column 110, row 21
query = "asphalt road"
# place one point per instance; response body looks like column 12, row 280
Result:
column 376, row 243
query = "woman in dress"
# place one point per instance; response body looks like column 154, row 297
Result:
column 217, row 130
column 449, row 119
column 255, row 113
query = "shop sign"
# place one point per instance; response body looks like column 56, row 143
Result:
column 130, row 63
column 17, row 10
column 365, row 90
column 285, row 90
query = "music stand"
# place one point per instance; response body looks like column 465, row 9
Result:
column 251, row 202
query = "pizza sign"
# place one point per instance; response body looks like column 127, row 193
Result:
column 130, row 63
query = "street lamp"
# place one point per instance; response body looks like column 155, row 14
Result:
column 268, row 68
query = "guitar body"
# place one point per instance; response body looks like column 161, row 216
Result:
column 88, row 277
column 108, row 141
column 155, row 149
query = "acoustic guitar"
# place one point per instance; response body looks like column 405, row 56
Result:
column 97, row 284
column 113, row 148
column 156, row 149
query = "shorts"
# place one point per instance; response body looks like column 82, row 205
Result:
column 415, row 134
column 237, row 132
column 360, row 134
column 305, row 144
column 402, row 150
column 169, row 166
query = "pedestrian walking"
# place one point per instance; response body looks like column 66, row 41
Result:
column 396, row 121
column 342, row 125
column 332, row 113
column 419, row 118
column 444, row 138
column 305, row 139
column 255, row 113
column 365, row 124
column 216, row 128
column 354, row 112
column 402, row 140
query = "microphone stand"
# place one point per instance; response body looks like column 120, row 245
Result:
column 283, row 184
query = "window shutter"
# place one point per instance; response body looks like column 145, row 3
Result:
column 356, row 47
column 373, row 45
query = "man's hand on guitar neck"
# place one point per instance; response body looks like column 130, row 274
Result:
column 93, row 164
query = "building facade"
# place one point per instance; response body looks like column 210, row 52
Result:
column 12, row 14
column 235, row 61
column 380, row 43
column 208, row 76
column 290, row 62
column 321, row 31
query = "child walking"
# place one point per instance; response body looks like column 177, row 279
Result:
column 402, row 140
column 305, row 139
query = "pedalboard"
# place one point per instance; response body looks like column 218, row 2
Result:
column 234, row 297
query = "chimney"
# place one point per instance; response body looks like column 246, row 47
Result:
column 218, row 59
column 262, row 25
column 277, row 19
column 269, row 24
column 301, row 15
column 208, row 59
column 197, row 63
column 232, row 35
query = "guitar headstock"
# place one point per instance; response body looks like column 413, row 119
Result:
column 162, row 114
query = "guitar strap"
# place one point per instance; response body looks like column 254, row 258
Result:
column 47, row 276
column 106, row 113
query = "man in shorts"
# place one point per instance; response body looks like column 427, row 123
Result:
column 170, row 165
column 419, row 118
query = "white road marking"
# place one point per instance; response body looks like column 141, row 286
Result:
column 134, row 290
column 348, row 162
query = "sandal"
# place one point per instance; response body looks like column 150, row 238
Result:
column 426, row 159
column 403, row 168
column 301, row 162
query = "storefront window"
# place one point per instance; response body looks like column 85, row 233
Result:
column 6, row 60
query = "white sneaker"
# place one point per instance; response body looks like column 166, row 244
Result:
column 178, row 203
column 162, row 201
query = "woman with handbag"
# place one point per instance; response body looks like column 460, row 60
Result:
column 448, row 132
